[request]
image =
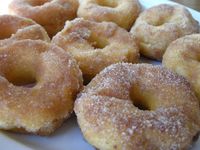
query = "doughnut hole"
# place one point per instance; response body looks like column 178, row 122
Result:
column 158, row 21
column 21, row 77
column 20, row 67
column 142, row 101
column 160, row 16
column 38, row 2
column 107, row 3
column 194, row 54
column 97, row 42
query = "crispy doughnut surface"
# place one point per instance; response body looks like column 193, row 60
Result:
column 138, row 107
column 19, row 28
column 96, row 45
column 122, row 12
column 51, row 14
column 158, row 26
column 183, row 56
column 39, row 108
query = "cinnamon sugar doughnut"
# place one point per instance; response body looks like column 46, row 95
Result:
column 55, row 79
column 138, row 107
column 51, row 14
column 96, row 45
column 122, row 12
column 18, row 28
column 183, row 56
column 158, row 26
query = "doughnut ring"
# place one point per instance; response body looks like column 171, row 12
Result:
column 158, row 26
column 19, row 28
column 51, row 14
column 96, row 45
column 55, row 79
column 139, row 106
column 122, row 12
column 183, row 56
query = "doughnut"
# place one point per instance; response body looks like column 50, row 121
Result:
column 158, row 26
column 19, row 28
column 51, row 14
column 138, row 106
column 122, row 12
column 183, row 56
column 96, row 45
column 39, row 82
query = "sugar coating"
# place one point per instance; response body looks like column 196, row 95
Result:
column 182, row 56
column 51, row 14
column 19, row 28
column 109, row 119
column 96, row 45
column 42, row 108
column 158, row 26
column 122, row 12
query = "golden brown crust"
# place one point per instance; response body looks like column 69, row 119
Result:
column 122, row 12
column 50, row 14
column 19, row 28
column 110, row 115
column 96, row 45
column 158, row 26
column 183, row 56
column 42, row 108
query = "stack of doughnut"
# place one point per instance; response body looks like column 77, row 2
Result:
column 47, row 54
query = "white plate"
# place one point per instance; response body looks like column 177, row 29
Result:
column 68, row 137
